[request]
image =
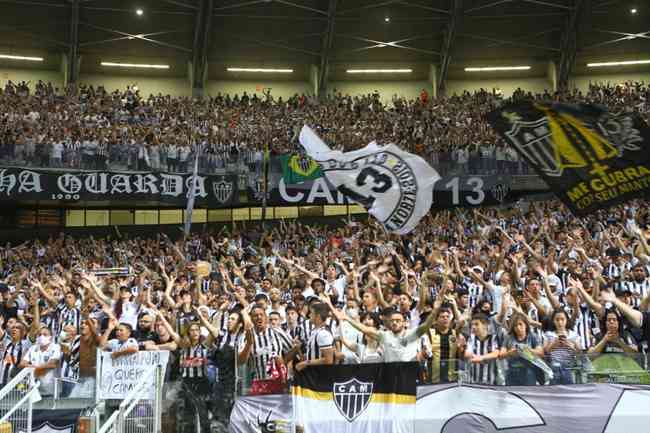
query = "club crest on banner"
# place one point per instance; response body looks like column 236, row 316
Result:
column 352, row 397
column 222, row 190
column 500, row 191
column 546, row 143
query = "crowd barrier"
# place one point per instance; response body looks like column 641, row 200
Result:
column 243, row 163
column 587, row 368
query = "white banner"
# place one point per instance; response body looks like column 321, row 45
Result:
column 396, row 187
column 119, row 376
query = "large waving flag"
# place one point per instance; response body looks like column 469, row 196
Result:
column 365, row 398
column 589, row 157
column 396, row 187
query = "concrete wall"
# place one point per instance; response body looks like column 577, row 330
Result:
column 507, row 86
column 33, row 75
column 407, row 89
column 284, row 89
column 147, row 85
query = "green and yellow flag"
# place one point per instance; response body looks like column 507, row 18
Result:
column 299, row 168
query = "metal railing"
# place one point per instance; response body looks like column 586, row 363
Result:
column 445, row 162
column 584, row 368
column 16, row 401
column 139, row 412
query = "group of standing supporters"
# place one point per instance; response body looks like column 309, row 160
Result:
column 475, row 296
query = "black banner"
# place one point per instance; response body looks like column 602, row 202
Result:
column 590, row 158
column 55, row 420
column 18, row 184
column 448, row 192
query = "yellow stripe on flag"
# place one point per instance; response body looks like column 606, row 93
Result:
column 375, row 398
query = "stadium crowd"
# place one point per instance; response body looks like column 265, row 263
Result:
column 93, row 128
column 479, row 296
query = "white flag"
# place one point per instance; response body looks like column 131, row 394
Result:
column 396, row 187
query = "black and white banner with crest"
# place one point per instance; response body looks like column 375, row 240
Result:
column 18, row 184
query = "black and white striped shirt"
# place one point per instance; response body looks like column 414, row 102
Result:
column 68, row 316
column 321, row 338
column 70, row 362
column 11, row 356
column 194, row 361
column 641, row 288
column 484, row 372
column 268, row 344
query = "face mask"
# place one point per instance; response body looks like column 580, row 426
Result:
column 44, row 340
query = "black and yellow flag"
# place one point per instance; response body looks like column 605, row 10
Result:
column 590, row 158
column 366, row 398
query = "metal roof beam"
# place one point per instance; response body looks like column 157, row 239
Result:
column 448, row 43
column 201, row 46
column 577, row 20
column 507, row 42
column 136, row 36
column 328, row 41
column 73, row 49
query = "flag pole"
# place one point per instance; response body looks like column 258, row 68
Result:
column 265, row 186
column 192, row 193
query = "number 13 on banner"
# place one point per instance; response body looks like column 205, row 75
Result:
column 472, row 188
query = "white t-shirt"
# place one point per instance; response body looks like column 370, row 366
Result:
column 402, row 348
column 116, row 345
column 37, row 357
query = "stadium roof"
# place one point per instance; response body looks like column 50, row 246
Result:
column 342, row 33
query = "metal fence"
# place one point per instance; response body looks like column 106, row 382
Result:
column 141, row 410
column 16, row 402
column 583, row 368
column 243, row 163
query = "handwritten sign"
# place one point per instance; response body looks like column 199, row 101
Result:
column 120, row 376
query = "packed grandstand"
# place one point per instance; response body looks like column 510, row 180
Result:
column 490, row 286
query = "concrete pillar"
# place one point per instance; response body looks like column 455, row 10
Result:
column 314, row 85
column 551, row 74
column 433, row 80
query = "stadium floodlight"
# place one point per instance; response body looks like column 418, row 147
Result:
column 29, row 59
column 379, row 71
column 497, row 68
column 622, row 63
column 134, row 65
column 139, row 12
column 262, row 70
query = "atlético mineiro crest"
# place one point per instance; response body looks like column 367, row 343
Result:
column 352, row 397
column 222, row 190
column 500, row 191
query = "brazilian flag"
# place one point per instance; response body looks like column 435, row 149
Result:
column 299, row 168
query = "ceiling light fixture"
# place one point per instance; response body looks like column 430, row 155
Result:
column 633, row 11
column 11, row 57
column 262, row 70
column 134, row 65
column 387, row 19
column 498, row 68
column 139, row 12
column 379, row 71
column 623, row 63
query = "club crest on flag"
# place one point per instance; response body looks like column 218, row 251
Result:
column 352, row 397
column 222, row 190
column 303, row 165
column 559, row 141
column 500, row 192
